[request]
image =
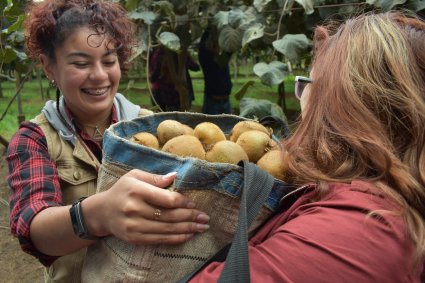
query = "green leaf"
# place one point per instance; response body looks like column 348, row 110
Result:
column 236, row 18
column 15, row 26
column 252, row 33
column 148, row 17
column 292, row 46
column 170, row 40
column 416, row 5
column 279, row 66
column 271, row 74
column 21, row 55
column 260, row 4
column 7, row 55
column 386, row 5
column 16, row 39
column 131, row 5
column 221, row 19
column 308, row 6
column 230, row 39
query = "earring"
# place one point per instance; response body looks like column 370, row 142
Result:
column 53, row 84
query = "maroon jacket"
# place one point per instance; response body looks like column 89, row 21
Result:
column 331, row 240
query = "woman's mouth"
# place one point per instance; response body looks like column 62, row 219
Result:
column 95, row 91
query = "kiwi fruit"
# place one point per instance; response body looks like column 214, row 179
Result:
column 243, row 126
column 185, row 146
column 255, row 143
column 208, row 133
column 272, row 163
column 226, row 152
column 146, row 139
column 169, row 129
column 188, row 130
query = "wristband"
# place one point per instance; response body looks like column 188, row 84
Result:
column 78, row 223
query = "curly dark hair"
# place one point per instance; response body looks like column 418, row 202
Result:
column 50, row 22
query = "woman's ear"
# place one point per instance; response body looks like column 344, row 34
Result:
column 47, row 64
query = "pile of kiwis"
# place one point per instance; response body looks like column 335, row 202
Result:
column 248, row 140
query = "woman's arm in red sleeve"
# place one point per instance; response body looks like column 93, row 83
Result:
column 34, row 183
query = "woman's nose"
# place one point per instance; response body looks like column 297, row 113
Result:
column 98, row 72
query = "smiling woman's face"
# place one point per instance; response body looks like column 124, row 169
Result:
column 87, row 73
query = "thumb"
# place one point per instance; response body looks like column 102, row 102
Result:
column 161, row 181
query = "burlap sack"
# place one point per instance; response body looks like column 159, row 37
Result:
column 214, row 187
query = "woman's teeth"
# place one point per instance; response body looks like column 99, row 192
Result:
column 96, row 92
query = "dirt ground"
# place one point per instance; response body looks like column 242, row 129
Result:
column 15, row 265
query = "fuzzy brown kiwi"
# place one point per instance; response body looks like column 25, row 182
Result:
column 243, row 126
column 208, row 133
column 169, row 129
column 146, row 139
column 226, row 152
column 255, row 143
column 272, row 163
column 185, row 146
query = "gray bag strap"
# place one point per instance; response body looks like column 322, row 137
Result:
column 257, row 187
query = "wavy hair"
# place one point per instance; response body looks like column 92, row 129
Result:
column 50, row 22
column 365, row 117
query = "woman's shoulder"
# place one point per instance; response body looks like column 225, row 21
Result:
column 354, row 225
column 358, row 201
column 28, row 132
column 363, row 195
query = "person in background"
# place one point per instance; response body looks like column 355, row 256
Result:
column 217, row 81
column 166, row 80
column 83, row 45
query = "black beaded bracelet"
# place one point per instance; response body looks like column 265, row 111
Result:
column 78, row 223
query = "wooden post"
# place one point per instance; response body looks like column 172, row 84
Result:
column 281, row 98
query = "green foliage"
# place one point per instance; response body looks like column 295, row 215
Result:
column 229, row 39
column 255, row 26
column 12, row 55
column 253, row 32
column 170, row 40
column 272, row 73
column 275, row 31
column 292, row 46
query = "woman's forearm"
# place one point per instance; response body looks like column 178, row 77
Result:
column 52, row 233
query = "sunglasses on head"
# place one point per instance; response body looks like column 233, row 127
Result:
column 300, row 84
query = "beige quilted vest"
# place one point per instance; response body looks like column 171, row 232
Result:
column 78, row 178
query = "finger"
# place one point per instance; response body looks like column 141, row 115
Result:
column 154, row 231
column 178, row 215
column 158, row 197
column 155, row 239
column 139, row 207
column 161, row 181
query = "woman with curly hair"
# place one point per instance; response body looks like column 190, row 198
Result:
column 83, row 45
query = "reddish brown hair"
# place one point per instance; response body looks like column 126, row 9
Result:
column 365, row 116
column 50, row 22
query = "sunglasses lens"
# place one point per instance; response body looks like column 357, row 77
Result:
column 299, row 87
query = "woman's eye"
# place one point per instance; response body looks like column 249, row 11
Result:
column 80, row 64
column 110, row 63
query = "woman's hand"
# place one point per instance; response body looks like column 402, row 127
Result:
column 137, row 209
